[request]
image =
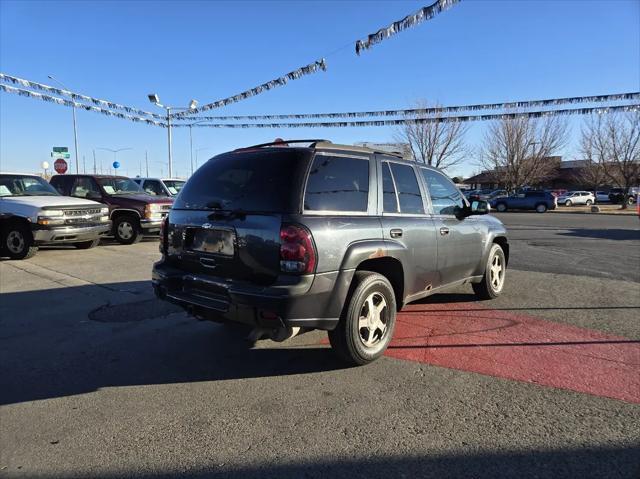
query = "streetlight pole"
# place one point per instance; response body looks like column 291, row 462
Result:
column 191, row 141
column 200, row 149
column 75, row 129
column 115, row 152
column 153, row 98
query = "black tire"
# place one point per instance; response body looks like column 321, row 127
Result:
column 568, row 203
column 631, row 201
column 486, row 289
column 17, row 241
column 501, row 207
column 347, row 339
column 589, row 202
column 127, row 230
column 541, row 208
column 87, row 244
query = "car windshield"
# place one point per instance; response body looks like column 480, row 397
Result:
column 16, row 185
column 120, row 186
column 174, row 186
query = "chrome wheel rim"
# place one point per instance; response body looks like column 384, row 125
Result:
column 125, row 230
column 15, row 242
column 496, row 272
column 372, row 320
column 501, row 207
column 541, row 208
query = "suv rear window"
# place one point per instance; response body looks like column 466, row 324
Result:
column 337, row 183
column 257, row 181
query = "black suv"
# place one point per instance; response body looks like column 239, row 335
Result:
column 333, row 237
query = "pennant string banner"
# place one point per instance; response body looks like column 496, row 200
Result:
column 446, row 119
column 71, row 103
column 75, row 96
column 294, row 75
column 424, row 14
column 434, row 110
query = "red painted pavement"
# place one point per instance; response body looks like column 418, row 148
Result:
column 519, row 347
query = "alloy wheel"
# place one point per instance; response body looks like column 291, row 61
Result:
column 372, row 321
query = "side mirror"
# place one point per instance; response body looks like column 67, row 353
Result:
column 478, row 207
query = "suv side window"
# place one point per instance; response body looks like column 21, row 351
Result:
column 409, row 195
column 444, row 194
column 389, row 196
column 83, row 187
column 153, row 187
column 337, row 183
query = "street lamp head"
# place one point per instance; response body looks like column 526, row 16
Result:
column 193, row 104
column 153, row 98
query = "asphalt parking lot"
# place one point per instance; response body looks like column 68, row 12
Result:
column 98, row 379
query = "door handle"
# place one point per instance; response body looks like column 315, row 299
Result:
column 444, row 231
column 396, row 233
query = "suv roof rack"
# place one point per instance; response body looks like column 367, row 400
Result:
column 313, row 142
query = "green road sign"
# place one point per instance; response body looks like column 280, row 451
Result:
column 60, row 149
column 60, row 155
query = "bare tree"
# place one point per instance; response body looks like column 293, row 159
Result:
column 518, row 151
column 591, row 174
column 613, row 142
column 439, row 144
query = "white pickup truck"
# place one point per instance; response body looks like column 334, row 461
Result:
column 33, row 213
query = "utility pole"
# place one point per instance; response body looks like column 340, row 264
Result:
column 84, row 164
column 75, row 129
column 94, row 162
column 146, row 160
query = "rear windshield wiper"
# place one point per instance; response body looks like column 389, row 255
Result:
column 228, row 214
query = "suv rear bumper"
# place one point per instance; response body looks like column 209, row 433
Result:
column 69, row 234
column 312, row 301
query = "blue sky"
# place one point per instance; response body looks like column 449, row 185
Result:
column 478, row 51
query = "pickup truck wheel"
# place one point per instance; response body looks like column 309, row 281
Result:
column 17, row 242
column 541, row 208
column 368, row 320
column 501, row 207
column 126, row 229
column 495, row 270
column 87, row 244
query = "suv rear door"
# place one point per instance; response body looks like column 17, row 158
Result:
column 405, row 220
column 459, row 241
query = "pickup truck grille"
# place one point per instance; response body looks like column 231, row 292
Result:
column 84, row 216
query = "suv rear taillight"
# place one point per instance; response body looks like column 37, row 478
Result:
column 164, row 227
column 297, row 252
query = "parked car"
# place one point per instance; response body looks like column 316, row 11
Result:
column 577, row 198
column 539, row 201
column 485, row 195
column 161, row 186
column 332, row 237
column 602, row 196
column 132, row 211
column 33, row 214
column 616, row 195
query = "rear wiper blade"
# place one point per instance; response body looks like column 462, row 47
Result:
column 228, row 214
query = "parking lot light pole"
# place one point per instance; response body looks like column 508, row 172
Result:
column 75, row 129
column 200, row 149
column 153, row 98
column 115, row 152
column 191, row 141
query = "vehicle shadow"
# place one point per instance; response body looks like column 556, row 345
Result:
column 609, row 234
column 52, row 348
column 583, row 462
